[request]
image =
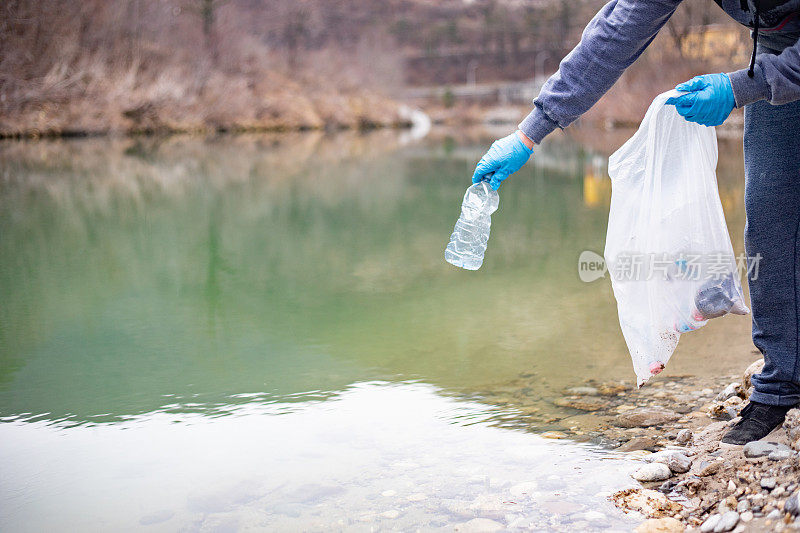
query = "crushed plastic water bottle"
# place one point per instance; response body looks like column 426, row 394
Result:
column 715, row 298
column 718, row 297
column 471, row 234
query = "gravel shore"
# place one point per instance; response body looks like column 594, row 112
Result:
column 692, row 482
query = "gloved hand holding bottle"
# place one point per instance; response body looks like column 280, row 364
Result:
column 506, row 156
column 707, row 99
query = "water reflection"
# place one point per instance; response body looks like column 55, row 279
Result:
column 134, row 271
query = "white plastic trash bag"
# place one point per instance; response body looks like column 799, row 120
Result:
column 668, row 250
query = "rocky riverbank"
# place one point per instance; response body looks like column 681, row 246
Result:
column 673, row 425
column 690, row 480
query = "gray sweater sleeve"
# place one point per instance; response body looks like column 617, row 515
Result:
column 776, row 79
column 612, row 41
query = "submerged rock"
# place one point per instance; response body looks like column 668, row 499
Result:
column 660, row 525
column 583, row 391
column 638, row 443
column 645, row 417
column 582, row 403
column 611, row 388
column 479, row 525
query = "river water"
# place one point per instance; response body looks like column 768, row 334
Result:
column 260, row 332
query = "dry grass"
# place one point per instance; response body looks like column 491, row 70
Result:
column 88, row 68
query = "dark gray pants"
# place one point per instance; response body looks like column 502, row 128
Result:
column 772, row 202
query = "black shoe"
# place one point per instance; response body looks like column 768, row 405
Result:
column 758, row 420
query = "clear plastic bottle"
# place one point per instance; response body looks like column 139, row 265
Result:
column 471, row 234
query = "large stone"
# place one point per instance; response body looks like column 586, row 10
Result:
column 660, row 525
column 645, row 417
column 759, row 448
column 652, row 472
column 754, row 368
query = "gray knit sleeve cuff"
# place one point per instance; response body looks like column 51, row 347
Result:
column 537, row 125
column 747, row 90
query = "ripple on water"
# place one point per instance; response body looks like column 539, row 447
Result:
column 377, row 454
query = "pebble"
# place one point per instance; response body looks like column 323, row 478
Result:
column 792, row 504
column 710, row 523
column 388, row 493
column 679, row 463
column 728, row 392
column 742, row 506
column 759, row 449
column 727, row 522
column 652, row 472
column 774, row 515
column 707, row 469
column 684, row 437
column 768, row 483
column 417, row 497
column 391, row 514
column 554, row 435
column 746, row 516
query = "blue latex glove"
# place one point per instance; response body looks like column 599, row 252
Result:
column 708, row 99
column 506, row 156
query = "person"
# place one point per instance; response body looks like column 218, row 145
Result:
column 769, row 92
